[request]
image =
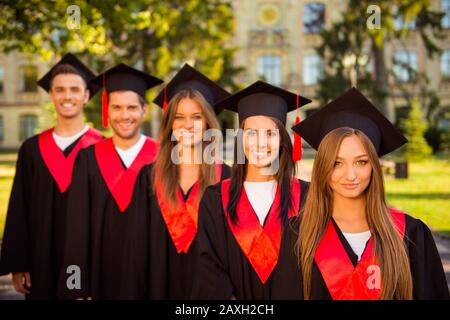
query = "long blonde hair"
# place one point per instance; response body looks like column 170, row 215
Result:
column 316, row 214
column 165, row 171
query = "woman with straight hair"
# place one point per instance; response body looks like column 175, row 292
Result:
column 347, row 244
column 179, row 178
column 241, row 219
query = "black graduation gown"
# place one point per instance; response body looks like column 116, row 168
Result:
column 110, row 247
column 171, row 273
column 35, row 224
column 426, row 267
column 224, row 270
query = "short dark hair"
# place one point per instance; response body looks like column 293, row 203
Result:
column 65, row 68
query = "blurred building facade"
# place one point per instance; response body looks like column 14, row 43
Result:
column 277, row 41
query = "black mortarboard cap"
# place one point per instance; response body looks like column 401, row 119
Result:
column 262, row 99
column 82, row 70
column 190, row 78
column 123, row 78
column 354, row 110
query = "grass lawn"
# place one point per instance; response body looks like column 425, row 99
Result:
column 425, row 194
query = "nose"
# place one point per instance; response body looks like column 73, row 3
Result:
column 124, row 115
column 350, row 173
column 188, row 123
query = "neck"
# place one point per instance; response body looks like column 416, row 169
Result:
column 349, row 209
column 125, row 144
column 254, row 174
column 68, row 127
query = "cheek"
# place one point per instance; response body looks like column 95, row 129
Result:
column 365, row 174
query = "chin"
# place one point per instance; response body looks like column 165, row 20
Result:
column 351, row 194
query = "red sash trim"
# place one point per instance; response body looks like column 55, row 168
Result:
column 345, row 282
column 119, row 180
column 261, row 245
column 59, row 166
column 182, row 221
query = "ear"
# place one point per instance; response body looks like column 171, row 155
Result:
column 86, row 96
column 145, row 109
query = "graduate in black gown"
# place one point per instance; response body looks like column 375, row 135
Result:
column 346, row 212
column 177, row 186
column 241, row 219
column 107, row 212
column 34, row 231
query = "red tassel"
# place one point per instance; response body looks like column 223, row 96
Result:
column 104, row 105
column 297, row 152
column 165, row 100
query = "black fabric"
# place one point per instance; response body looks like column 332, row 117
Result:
column 224, row 270
column 83, row 71
column 34, row 233
column 172, row 273
column 429, row 280
column 262, row 99
column 190, row 78
column 354, row 110
column 110, row 247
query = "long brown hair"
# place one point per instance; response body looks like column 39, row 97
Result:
column 164, row 171
column 316, row 214
column 284, row 175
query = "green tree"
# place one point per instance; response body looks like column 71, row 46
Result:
column 351, row 36
column 157, row 36
column 414, row 128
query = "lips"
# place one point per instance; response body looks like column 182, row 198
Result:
column 350, row 186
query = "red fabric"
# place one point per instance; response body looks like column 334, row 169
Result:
column 297, row 152
column 104, row 105
column 182, row 221
column 261, row 245
column 59, row 166
column 119, row 180
column 345, row 282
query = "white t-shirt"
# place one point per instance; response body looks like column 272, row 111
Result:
column 261, row 196
column 131, row 153
column 357, row 241
column 64, row 142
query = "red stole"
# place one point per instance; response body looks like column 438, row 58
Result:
column 59, row 166
column 261, row 245
column 345, row 282
column 182, row 220
column 119, row 180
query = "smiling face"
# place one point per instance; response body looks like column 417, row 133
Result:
column 69, row 94
column 126, row 113
column 352, row 169
column 189, row 123
column 261, row 141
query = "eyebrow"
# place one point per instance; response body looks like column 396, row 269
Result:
column 357, row 157
column 194, row 114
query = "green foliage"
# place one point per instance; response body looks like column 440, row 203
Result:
column 414, row 128
column 158, row 36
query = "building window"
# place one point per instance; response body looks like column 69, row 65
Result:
column 2, row 129
column 445, row 7
column 269, row 69
column 312, row 69
column 445, row 65
column 2, row 78
column 313, row 17
column 405, row 66
column 28, row 124
column 28, row 79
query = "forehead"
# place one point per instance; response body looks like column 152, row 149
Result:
column 259, row 122
column 350, row 147
column 68, row 80
column 188, row 106
column 123, row 97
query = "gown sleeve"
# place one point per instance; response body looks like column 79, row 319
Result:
column 212, row 279
column 15, row 253
column 429, row 280
column 77, row 240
